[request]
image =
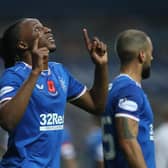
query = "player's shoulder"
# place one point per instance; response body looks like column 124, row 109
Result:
column 18, row 70
column 125, row 82
column 53, row 64
column 124, row 86
column 56, row 66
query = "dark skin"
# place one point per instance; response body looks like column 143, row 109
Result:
column 36, row 42
column 127, row 129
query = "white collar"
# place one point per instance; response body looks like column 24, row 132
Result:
column 123, row 74
column 44, row 72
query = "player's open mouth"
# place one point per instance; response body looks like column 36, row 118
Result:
column 51, row 39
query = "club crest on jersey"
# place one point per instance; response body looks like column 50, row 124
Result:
column 62, row 83
column 129, row 105
column 51, row 87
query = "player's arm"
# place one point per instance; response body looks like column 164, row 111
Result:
column 11, row 111
column 94, row 100
column 127, row 131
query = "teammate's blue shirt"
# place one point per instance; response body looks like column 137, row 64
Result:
column 127, row 99
column 67, row 147
column 94, row 148
column 66, row 136
column 36, row 141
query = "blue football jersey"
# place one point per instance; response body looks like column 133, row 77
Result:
column 36, row 141
column 126, row 98
column 94, row 147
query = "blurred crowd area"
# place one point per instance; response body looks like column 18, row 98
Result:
column 72, row 53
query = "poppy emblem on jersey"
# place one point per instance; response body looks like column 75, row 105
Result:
column 51, row 86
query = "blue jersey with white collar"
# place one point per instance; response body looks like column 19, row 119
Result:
column 36, row 141
column 127, row 99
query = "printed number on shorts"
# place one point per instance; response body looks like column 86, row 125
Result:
column 108, row 140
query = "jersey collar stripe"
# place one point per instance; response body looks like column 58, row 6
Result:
column 122, row 74
column 42, row 73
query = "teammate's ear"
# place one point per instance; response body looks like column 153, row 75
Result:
column 142, row 56
column 22, row 45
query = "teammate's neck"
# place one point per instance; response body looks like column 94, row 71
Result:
column 135, row 74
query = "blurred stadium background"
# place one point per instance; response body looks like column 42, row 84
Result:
column 104, row 19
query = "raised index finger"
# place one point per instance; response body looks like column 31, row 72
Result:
column 86, row 37
column 36, row 42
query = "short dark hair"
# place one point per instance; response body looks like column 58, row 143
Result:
column 129, row 43
column 8, row 41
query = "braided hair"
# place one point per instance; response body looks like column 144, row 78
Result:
column 8, row 44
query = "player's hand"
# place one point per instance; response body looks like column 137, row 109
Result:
column 39, row 56
column 96, row 48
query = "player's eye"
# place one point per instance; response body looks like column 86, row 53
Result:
column 38, row 29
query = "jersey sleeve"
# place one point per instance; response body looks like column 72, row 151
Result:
column 9, row 85
column 75, row 88
column 129, row 102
